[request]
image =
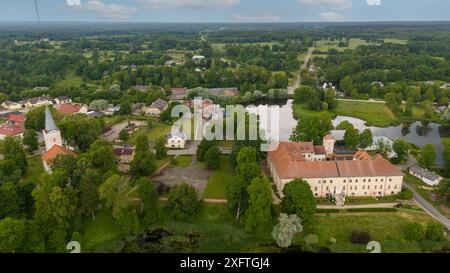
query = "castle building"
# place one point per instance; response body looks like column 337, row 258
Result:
column 330, row 174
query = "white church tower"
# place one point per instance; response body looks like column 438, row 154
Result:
column 328, row 144
column 52, row 135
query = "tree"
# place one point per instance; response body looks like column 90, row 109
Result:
column 203, row 148
column 311, row 129
column 434, row 232
column 125, row 108
column 160, row 148
column 401, row 148
column 446, row 155
column 12, row 234
column 212, row 158
column 351, row 138
column 182, row 203
column 345, row 125
column 80, row 131
column 36, row 118
column 259, row 212
column 142, row 143
column 427, row 156
column 12, row 150
column 365, row 139
column 30, row 140
column 89, row 198
column 288, row 226
column 123, row 135
column 143, row 164
column 299, row 199
column 150, row 199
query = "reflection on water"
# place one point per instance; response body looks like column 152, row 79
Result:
column 417, row 133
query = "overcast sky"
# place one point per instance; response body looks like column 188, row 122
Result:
column 226, row 10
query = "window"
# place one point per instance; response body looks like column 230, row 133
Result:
column 364, row 187
column 315, row 189
column 356, row 187
column 350, row 181
column 343, row 188
column 369, row 180
column 331, row 181
column 368, row 187
column 356, row 180
column 381, row 187
column 390, row 179
column 344, row 180
column 375, row 186
column 364, row 180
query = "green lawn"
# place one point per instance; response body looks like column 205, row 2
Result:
column 381, row 226
column 375, row 114
column 157, row 131
column 183, row 161
column 301, row 111
column 70, row 80
column 215, row 189
column 99, row 232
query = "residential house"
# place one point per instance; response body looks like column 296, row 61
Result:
column 229, row 92
column 124, row 154
column 198, row 58
column 11, row 105
column 17, row 119
column 176, row 141
column 156, row 108
column 137, row 108
column 329, row 177
column 11, row 130
column 69, row 109
column 425, row 175
column 39, row 101
column 112, row 110
column 63, row 100
column 178, row 94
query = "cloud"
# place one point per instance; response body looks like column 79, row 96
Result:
column 161, row 4
column 374, row 2
column 73, row 2
column 262, row 17
column 340, row 4
column 332, row 17
column 106, row 11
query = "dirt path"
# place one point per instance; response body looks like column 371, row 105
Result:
column 298, row 80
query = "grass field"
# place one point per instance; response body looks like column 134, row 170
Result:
column 380, row 225
column 375, row 114
column 215, row 189
column 301, row 111
column 183, row 161
column 101, row 231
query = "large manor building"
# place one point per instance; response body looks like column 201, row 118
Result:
column 332, row 173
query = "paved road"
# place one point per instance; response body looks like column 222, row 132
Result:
column 298, row 81
column 427, row 207
column 192, row 150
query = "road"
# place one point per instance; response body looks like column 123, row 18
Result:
column 427, row 207
column 298, row 81
column 367, row 206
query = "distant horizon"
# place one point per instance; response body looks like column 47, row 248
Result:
column 224, row 22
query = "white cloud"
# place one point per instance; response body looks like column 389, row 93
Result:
column 332, row 17
column 106, row 11
column 374, row 2
column 262, row 17
column 341, row 4
column 73, row 2
column 160, row 4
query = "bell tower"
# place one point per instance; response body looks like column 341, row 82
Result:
column 328, row 144
column 52, row 135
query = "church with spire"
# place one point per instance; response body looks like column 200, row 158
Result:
column 53, row 142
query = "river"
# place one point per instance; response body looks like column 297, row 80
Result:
column 282, row 112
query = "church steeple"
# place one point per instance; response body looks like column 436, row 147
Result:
column 52, row 135
column 49, row 121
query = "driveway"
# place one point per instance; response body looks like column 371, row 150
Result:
column 427, row 207
column 113, row 134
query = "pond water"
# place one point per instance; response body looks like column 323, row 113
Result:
column 281, row 111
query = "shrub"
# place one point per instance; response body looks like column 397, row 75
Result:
column 415, row 232
column 360, row 237
column 405, row 195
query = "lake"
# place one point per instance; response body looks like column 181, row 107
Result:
column 270, row 113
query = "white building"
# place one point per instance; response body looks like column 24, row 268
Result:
column 176, row 141
column 52, row 135
column 425, row 175
column 198, row 58
column 11, row 105
column 332, row 176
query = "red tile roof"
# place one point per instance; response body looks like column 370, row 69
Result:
column 16, row 118
column 68, row 109
column 55, row 151
column 290, row 164
column 11, row 130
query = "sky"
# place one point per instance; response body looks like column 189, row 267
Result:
column 233, row 11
